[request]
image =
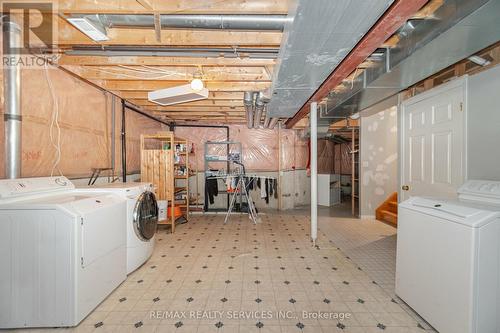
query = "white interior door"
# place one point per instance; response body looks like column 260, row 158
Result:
column 433, row 136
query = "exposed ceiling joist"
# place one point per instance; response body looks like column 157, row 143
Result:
column 162, row 61
column 175, row 6
column 213, row 95
column 197, row 108
column 146, row 86
column 69, row 36
column 205, row 102
column 171, row 73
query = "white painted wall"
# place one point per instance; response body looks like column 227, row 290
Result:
column 378, row 159
column 483, row 120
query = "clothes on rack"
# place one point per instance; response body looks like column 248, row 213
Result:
column 262, row 186
column 211, row 190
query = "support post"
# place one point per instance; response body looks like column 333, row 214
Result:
column 124, row 144
column 313, row 118
column 12, row 95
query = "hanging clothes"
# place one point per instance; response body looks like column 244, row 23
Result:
column 267, row 191
column 211, row 191
column 271, row 187
column 275, row 186
column 262, row 185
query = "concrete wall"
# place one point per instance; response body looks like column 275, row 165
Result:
column 378, row 159
column 483, row 117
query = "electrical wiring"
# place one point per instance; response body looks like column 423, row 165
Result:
column 54, row 121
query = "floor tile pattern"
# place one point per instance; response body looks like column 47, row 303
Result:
column 241, row 277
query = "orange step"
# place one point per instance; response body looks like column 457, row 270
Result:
column 388, row 211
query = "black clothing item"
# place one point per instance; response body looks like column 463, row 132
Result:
column 275, row 185
column 211, row 191
column 258, row 182
column 267, row 191
column 271, row 186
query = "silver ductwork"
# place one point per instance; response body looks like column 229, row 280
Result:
column 260, row 103
column 273, row 123
column 459, row 29
column 267, row 120
column 248, row 102
column 12, row 99
column 254, row 103
column 194, row 21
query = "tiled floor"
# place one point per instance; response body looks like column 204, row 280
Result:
column 240, row 277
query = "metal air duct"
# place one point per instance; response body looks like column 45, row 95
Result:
column 12, row 98
column 191, row 21
column 267, row 120
column 248, row 102
column 273, row 123
column 458, row 29
column 260, row 103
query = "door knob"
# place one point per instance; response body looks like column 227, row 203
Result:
column 405, row 188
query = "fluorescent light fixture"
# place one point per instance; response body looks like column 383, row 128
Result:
column 92, row 29
column 177, row 95
column 479, row 60
column 355, row 116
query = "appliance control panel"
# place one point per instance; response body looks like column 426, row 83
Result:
column 29, row 186
column 480, row 190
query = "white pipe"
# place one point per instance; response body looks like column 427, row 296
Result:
column 314, row 172
column 249, row 105
column 12, row 99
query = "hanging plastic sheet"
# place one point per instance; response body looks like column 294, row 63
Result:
column 85, row 127
column 260, row 146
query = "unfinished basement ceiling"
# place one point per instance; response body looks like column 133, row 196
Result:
column 322, row 33
column 138, row 59
column 456, row 30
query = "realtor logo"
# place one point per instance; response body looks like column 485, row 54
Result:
column 36, row 24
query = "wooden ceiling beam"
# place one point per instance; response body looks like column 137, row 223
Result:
column 196, row 108
column 171, row 73
column 163, row 61
column 204, row 102
column 212, row 95
column 69, row 35
column 175, row 6
column 122, row 85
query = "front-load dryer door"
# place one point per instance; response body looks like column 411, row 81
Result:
column 145, row 216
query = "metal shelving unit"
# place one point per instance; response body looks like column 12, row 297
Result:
column 232, row 151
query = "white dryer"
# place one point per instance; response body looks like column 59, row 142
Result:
column 448, row 258
column 141, row 220
column 62, row 252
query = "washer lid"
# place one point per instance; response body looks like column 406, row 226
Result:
column 11, row 189
column 456, row 211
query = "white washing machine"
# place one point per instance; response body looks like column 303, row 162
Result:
column 62, row 252
column 142, row 219
column 448, row 259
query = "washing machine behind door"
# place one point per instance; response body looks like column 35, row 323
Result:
column 144, row 223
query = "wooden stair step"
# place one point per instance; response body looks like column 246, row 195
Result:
column 389, row 216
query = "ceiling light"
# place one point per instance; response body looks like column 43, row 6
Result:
column 197, row 84
column 92, row 29
column 479, row 60
column 355, row 116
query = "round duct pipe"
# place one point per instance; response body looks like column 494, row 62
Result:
column 248, row 103
column 273, row 122
column 195, row 21
column 12, row 41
